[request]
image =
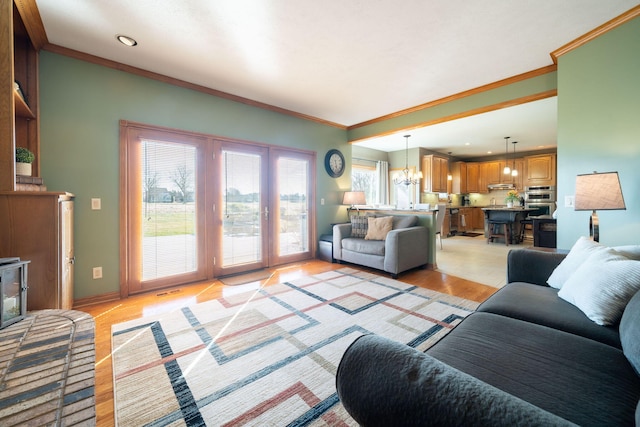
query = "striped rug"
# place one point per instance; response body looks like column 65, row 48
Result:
column 266, row 357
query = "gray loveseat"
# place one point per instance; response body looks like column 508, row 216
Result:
column 405, row 246
column 525, row 357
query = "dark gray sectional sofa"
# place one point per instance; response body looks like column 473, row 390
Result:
column 525, row 357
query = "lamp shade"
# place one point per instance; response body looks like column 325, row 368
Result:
column 353, row 198
column 598, row 191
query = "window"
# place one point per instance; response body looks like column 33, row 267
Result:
column 364, row 178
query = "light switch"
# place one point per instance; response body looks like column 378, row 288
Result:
column 569, row 201
column 96, row 204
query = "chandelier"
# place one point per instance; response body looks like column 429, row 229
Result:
column 407, row 177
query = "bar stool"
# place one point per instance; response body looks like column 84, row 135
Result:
column 525, row 224
column 494, row 227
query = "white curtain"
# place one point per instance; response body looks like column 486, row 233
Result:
column 382, row 170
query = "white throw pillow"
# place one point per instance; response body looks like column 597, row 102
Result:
column 630, row 251
column 602, row 286
column 579, row 252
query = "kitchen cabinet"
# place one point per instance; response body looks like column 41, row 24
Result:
column 20, row 40
column 540, row 169
column 38, row 227
column 459, row 175
column 465, row 225
column 477, row 218
column 434, row 174
column 518, row 180
column 473, row 178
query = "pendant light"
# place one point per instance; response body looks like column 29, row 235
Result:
column 507, row 169
column 449, row 176
column 514, row 171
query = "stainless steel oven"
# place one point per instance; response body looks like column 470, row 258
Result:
column 542, row 198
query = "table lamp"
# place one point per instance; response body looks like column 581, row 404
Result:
column 353, row 198
column 598, row 191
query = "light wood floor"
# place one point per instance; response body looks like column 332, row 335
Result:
column 107, row 314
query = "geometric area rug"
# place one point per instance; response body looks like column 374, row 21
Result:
column 267, row 357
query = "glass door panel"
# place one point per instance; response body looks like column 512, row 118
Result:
column 291, row 198
column 293, row 209
column 169, row 245
column 243, row 209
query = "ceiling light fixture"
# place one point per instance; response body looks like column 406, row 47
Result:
column 514, row 171
column 407, row 177
column 126, row 40
column 507, row 169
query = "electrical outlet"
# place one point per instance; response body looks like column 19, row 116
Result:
column 96, row 204
column 97, row 272
column 322, row 201
column 569, row 201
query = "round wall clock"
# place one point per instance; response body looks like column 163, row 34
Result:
column 334, row 163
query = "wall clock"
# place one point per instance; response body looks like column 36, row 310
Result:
column 334, row 163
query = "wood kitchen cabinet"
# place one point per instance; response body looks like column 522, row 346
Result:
column 459, row 181
column 434, row 174
column 473, row 178
column 38, row 227
column 477, row 218
column 540, row 170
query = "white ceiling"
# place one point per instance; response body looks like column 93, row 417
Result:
column 343, row 61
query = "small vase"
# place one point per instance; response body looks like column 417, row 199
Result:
column 509, row 204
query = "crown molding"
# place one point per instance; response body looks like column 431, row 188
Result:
column 460, row 95
column 596, row 32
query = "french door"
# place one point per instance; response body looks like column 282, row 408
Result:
column 196, row 207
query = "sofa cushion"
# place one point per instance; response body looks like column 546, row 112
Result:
column 359, row 226
column 404, row 221
column 578, row 254
column 581, row 380
column 370, row 247
column 385, row 383
column 630, row 332
column 603, row 285
column 379, row 228
column 541, row 305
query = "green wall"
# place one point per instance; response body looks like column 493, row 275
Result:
column 599, row 130
column 80, row 108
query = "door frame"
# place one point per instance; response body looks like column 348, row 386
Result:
column 207, row 182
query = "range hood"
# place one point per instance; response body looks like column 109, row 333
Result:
column 501, row 187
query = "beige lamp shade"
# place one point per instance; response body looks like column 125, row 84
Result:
column 354, row 198
column 598, row 191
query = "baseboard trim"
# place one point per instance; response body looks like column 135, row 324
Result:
column 96, row 299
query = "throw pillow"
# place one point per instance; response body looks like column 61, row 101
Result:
column 602, row 286
column 379, row 228
column 630, row 251
column 359, row 225
column 579, row 252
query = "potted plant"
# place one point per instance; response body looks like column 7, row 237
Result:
column 512, row 197
column 24, row 158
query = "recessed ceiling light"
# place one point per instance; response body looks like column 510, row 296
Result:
column 467, row 143
column 126, row 40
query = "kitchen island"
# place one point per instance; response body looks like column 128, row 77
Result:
column 512, row 216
